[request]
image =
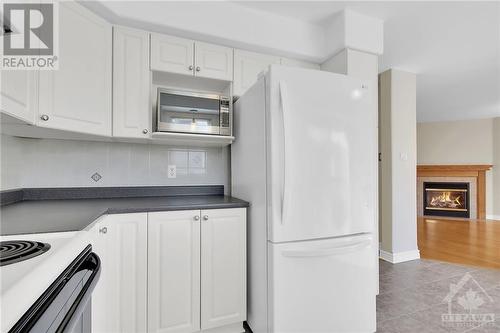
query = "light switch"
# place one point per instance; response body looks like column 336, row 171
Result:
column 172, row 171
column 403, row 156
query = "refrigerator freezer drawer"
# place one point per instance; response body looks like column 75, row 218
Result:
column 322, row 286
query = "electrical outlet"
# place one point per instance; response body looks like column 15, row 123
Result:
column 172, row 171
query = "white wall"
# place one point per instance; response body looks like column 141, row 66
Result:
column 460, row 142
column 398, row 167
column 60, row 163
column 353, row 30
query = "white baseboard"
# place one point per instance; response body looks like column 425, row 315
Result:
column 493, row 217
column 398, row 257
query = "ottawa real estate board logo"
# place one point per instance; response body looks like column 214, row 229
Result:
column 30, row 31
column 465, row 299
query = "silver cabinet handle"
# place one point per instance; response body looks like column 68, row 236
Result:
column 103, row 230
column 205, row 217
column 44, row 117
column 145, row 131
column 198, row 68
column 197, row 218
column 190, row 67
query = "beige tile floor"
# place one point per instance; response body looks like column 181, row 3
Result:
column 412, row 297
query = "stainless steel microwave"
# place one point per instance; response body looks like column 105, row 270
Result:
column 190, row 112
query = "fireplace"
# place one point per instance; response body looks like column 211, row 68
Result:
column 446, row 199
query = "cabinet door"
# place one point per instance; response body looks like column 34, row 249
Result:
column 19, row 94
column 223, row 267
column 172, row 54
column 174, row 271
column 214, row 61
column 247, row 66
column 77, row 96
column 299, row 63
column 131, row 83
column 119, row 300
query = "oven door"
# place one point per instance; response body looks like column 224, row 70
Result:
column 65, row 305
column 186, row 112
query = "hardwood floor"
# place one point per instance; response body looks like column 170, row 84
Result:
column 469, row 242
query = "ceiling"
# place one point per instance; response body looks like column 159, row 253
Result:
column 454, row 47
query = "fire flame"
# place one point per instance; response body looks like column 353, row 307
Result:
column 445, row 200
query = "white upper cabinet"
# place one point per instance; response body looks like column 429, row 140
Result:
column 184, row 56
column 174, row 272
column 213, row 61
column 172, row 54
column 77, row 96
column 223, row 267
column 131, row 83
column 119, row 300
column 19, row 94
column 247, row 66
column 299, row 63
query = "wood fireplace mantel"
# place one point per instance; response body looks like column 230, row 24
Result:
column 467, row 170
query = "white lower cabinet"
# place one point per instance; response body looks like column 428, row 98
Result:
column 174, row 271
column 171, row 272
column 119, row 300
column 223, row 267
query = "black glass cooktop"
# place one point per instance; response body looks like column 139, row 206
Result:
column 18, row 250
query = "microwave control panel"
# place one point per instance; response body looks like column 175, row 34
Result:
column 225, row 119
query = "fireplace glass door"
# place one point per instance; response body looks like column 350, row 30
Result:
column 446, row 199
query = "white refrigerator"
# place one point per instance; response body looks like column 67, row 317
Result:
column 305, row 157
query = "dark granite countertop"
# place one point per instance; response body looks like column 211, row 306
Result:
column 58, row 215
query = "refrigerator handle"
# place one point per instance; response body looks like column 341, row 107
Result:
column 283, row 99
column 328, row 251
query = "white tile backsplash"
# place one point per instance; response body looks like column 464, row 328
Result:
column 59, row 163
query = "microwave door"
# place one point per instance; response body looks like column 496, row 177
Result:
column 189, row 114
